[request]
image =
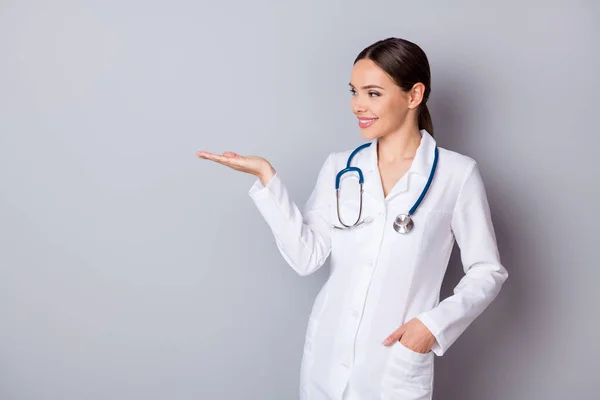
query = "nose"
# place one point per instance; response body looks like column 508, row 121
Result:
column 357, row 106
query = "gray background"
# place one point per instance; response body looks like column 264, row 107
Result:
column 130, row 269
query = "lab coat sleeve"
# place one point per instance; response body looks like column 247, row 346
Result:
column 484, row 274
column 303, row 237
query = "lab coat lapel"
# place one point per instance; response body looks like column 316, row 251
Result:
column 416, row 177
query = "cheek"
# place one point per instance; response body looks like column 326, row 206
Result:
column 392, row 114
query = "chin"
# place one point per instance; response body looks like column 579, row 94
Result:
column 368, row 135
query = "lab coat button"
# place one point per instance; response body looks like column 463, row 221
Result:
column 355, row 313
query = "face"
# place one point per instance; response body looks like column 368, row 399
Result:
column 380, row 105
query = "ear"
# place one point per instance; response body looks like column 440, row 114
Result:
column 415, row 96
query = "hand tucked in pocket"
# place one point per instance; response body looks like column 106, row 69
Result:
column 414, row 335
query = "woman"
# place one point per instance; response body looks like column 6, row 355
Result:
column 377, row 322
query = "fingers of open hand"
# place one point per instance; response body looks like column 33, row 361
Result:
column 228, row 158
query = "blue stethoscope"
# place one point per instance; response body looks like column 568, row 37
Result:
column 403, row 222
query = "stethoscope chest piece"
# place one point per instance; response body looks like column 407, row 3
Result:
column 403, row 223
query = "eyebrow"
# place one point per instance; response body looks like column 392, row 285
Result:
column 368, row 86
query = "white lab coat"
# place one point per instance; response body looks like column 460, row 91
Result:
column 379, row 278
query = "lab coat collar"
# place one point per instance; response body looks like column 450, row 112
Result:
column 421, row 166
column 422, row 162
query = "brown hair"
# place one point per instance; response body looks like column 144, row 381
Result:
column 406, row 63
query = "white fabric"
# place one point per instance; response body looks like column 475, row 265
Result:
column 379, row 278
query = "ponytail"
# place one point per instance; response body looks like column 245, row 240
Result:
column 425, row 119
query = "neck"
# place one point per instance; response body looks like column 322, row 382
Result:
column 399, row 145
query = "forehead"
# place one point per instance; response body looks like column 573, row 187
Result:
column 366, row 72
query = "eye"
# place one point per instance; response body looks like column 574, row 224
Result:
column 371, row 94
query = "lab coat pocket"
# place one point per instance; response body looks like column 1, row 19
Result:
column 308, row 356
column 408, row 371
column 348, row 212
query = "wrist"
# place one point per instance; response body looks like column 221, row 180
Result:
column 266, row 175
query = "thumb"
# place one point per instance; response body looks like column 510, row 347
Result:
column 394, row 337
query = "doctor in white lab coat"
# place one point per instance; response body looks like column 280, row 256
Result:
column 377, row 322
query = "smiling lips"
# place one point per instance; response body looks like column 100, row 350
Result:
column 366, row 122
